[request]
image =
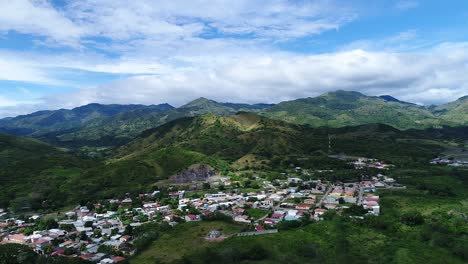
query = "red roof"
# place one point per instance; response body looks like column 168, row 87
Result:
column 59, row 251
column 259, row 228
column 192, row 216
column 277, row 215
column 118, row 259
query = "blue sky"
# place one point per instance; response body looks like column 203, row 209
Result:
column 62, row 54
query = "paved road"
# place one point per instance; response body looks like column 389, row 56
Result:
column 325, row 195
column 361, row 192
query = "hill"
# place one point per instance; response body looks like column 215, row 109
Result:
column 35, row 175
column 250, row 141
column 344, row 108
column 42, row 122
column 456, row 111
column 123, row 127
column 102, row 126
column 110, row 125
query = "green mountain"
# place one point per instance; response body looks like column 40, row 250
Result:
column 343, row 108
column 97, row 126
column 43, row 122
column 123, row 127
column 248, row 140
column 34, row 174
column 456, row 112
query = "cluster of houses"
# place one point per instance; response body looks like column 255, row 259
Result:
column 85, row 230
column 362, row 163
column 449, row 162
column 81, row 234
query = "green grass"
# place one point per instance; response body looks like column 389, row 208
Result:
column 181, row 240
column 256, row 213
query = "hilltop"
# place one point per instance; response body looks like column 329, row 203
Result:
column 100, row 126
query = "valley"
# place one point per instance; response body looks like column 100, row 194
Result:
column 213, row 182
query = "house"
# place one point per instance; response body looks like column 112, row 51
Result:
column 259, row 228
column 58, row 252
column 318, row 212
column 115, row 237
column 106, row 261
column 294, row 180
column 125, row 238
column 277, row 216
column 293, row 189
column 309, row 201
column 292, row 215
column 16, row 238
column 192, row 217
column 214, row 234
column 242, row 219
column 127, row 201
column 118, row 259
column 66, row 244
column 303, row 206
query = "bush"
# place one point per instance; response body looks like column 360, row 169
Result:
column 307, row 251
column 412, row 218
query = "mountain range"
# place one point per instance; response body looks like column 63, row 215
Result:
column 336, row 109
column 145, row 145
column 113, row 125
column 40, row 176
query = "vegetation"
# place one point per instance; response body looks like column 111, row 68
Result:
column 35, row 175
column 21, row 254
column 415, row 227
column 342, row 108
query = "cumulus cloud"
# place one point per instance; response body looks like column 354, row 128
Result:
column 175, row 51
column 434, row 76
column 80, row 22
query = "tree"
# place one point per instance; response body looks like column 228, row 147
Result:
column 128, row 230
column 412, row 218
column 83, row 236
column 68, row 251
column 307, row 250
column 16, row 254
column 256, row 252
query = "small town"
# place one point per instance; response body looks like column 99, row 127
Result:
column 104, row 232
column 449, row 162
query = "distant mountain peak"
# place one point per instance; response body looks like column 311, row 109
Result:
column 198, row 102
column 390, row 98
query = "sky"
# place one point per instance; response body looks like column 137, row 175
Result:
column 62, row 53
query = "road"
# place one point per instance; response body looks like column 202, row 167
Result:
column 319, row 204
column 361, row 193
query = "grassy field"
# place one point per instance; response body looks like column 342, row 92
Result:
column 181, row 240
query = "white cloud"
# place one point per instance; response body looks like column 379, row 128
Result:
column 178, row 50
column 433, row 77
column 436, row 75
column 13, row 68
column 78, row 22
column 40, row 18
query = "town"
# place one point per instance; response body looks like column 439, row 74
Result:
column 105, row 231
